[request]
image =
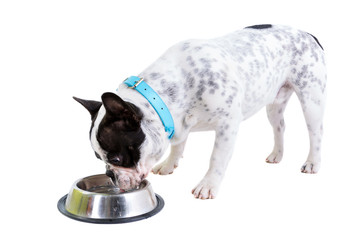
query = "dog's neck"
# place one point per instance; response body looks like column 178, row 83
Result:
column 155, row 100
column 151, row 123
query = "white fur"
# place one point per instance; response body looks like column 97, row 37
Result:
column 94, row 142
column 215, row 84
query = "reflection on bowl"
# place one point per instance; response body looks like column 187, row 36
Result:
column 95, row 199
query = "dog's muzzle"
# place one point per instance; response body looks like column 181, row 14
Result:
column 125, row 179
column 111, row 175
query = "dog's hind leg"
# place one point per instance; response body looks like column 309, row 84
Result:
column 313, row 111
column 311, row 91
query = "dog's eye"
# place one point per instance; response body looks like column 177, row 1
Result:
column 97, row 155
column 117, row 161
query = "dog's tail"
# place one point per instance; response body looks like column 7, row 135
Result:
column 316, row 40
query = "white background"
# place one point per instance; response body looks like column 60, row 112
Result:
column 53, row 50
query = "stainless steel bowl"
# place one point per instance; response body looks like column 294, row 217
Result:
column 96, row 199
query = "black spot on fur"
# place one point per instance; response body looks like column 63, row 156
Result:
column 261, row 26
column 170, row 90
column 191, row 61
column 201, row 90
column 185, row 46
column 190, row 81
column 155, row 75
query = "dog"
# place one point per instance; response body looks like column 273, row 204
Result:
column 211, row 85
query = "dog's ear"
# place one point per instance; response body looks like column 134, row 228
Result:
column 92, row 106
column 119, row 109
column 113, row 104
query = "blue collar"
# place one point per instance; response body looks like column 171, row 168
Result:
column 155, row 100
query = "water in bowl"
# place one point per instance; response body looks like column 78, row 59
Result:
column 108, row 189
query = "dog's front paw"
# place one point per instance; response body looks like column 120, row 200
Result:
column 205, row 190
column 274, row 157
column 310, row 167
column 164, row 168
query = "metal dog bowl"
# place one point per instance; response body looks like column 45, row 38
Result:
column 96, row 199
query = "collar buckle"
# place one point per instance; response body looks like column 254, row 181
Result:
column 135, row 84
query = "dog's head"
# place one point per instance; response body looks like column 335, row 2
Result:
column 119, row 139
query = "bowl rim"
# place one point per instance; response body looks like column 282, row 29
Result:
column 75, row 186
column 62, row 202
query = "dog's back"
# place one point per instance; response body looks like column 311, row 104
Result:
column 246, row 67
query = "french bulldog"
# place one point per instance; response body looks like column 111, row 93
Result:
column 211, row 85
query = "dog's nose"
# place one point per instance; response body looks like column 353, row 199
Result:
column 111, row 175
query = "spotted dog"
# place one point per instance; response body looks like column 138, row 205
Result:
column 211, row 85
